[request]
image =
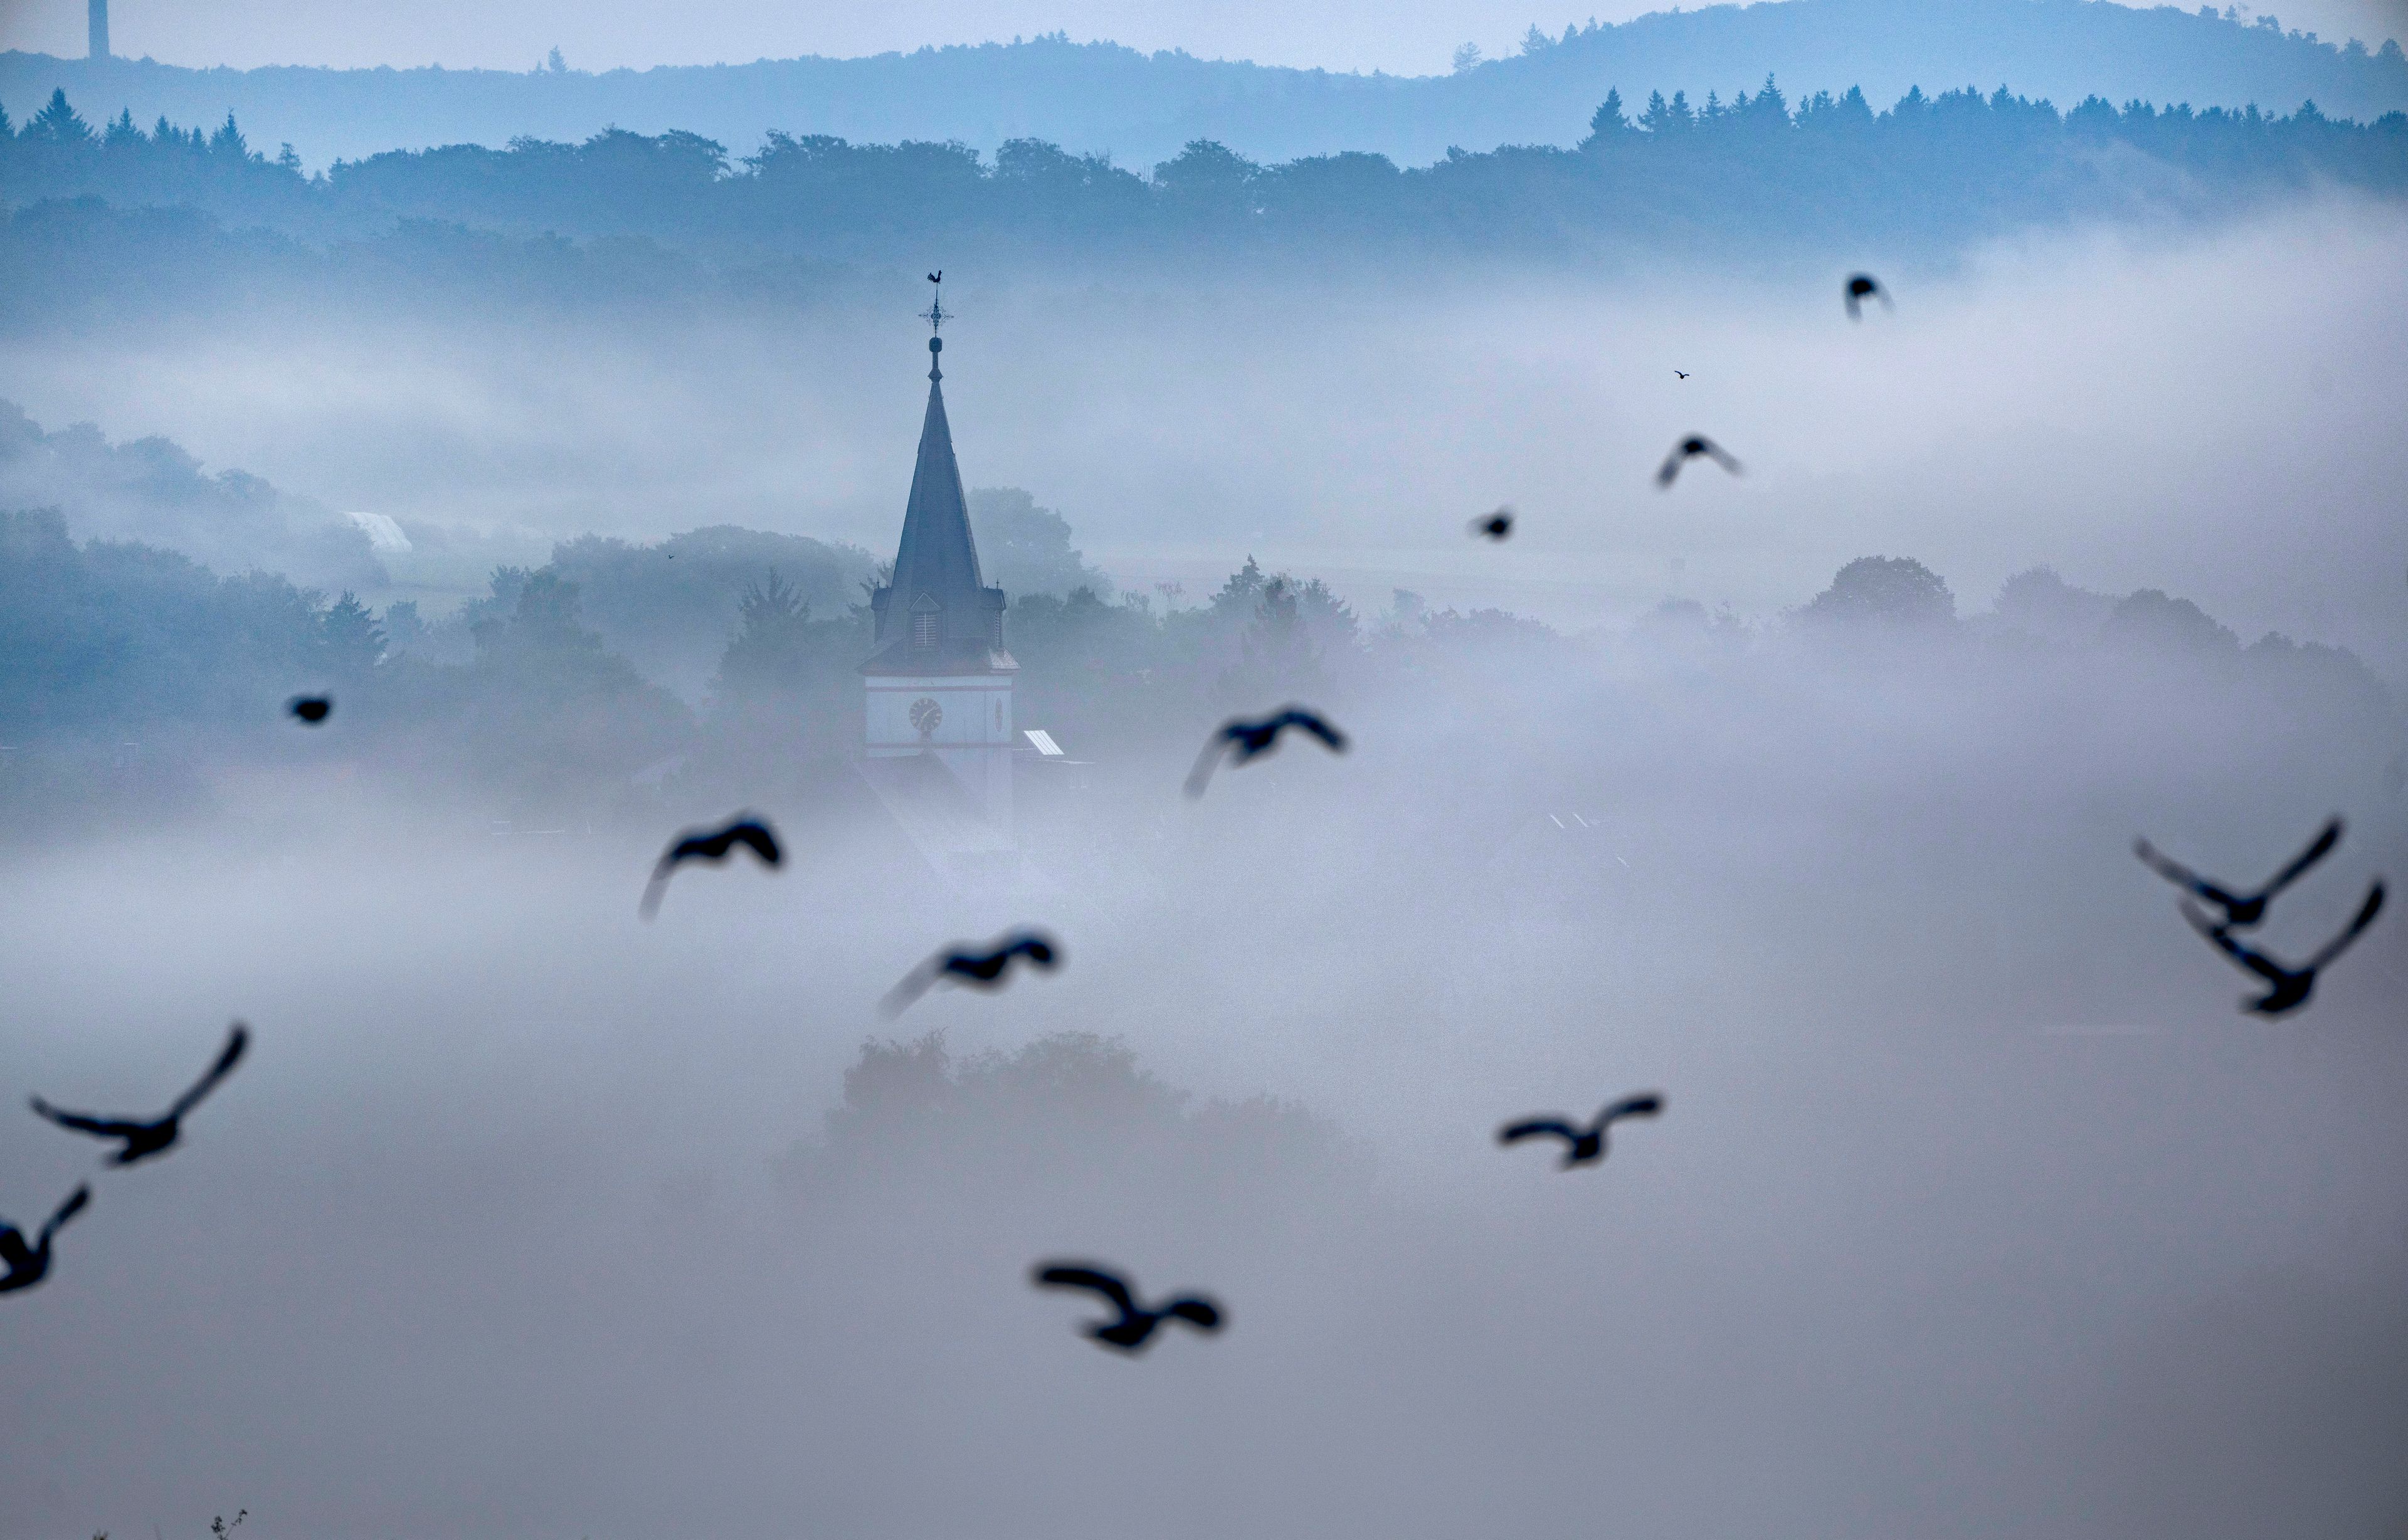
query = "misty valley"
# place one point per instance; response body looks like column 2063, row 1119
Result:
column 1682, row 833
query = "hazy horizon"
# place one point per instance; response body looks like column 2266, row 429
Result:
column 1419, row 40
column 1803, row 793
column 1162, row 424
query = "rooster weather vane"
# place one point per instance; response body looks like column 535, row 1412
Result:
column 935, row 315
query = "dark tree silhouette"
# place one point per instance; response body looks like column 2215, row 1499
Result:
column 1886, row 591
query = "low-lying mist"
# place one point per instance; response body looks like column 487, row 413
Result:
column 2101, row 402
column 1976, row 1206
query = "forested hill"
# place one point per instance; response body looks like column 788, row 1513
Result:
column 133, row 214
column 1099, row 98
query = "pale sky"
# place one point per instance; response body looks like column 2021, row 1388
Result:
column 1414, row 39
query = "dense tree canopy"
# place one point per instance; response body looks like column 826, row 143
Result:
column 520, row 698
column 1677, row 177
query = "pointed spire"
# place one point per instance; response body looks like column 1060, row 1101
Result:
column 938, row 608
column 937, row 555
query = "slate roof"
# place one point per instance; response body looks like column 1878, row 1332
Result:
column 936, row 568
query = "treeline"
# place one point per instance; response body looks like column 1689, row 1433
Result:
column 1100, row 96
column 1738, row 178
column 520, row 706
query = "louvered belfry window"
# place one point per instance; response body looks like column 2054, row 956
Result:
column 924, row 629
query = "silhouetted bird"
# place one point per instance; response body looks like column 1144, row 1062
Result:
column 979, row 970
column 1683, row 373
column 1244, row 740
column 2290, row 986
column 1689, row 448
column 2241, row 910
column 937, row 276
column 1136, row 1324
column 1588, row 1144
column 159, row 1135
column 711, row 845
column 310, row 708
column 28, row 1265
column 1495, row 526
column 1859, row 286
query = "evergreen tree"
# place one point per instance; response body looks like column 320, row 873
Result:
column 404, row 632
column 769, row 654
column 1242, row 593
column 1769, row 110
column 57, row 124
column 1607, row 126
column 228, row 141
column 352, row 640
column 1278, row 657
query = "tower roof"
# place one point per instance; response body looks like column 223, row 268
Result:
column 936, row 568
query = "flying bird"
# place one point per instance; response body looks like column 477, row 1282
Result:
column 310, row 708
column 1859, row 286
column 159, row 1135
column 937, row 276
column 1495, row 526
column 1683, row 373
column 1136, row 1324
column 28, row 1265
column 2289, row 988
column 2241, row 910
column 1689, row 448
column 1587, row 1145
column 1244, row 740
column 711, row 845
column 983, row 970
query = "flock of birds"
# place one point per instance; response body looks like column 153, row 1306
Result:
column 2287, row 988
column 138, row 1139
column 1499, row 524
column 1240, row 742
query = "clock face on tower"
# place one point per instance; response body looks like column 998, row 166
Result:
column 925, row 716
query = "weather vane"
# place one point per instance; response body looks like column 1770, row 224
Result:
column 935, row 315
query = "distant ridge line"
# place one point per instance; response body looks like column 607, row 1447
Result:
column 1099, row 97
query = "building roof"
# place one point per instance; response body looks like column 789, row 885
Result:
column 937, row 568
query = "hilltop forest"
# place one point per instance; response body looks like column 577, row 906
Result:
column 1103, row 98
column 117, row 209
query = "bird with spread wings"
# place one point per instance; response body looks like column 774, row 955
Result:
column 1583, row 1145
column 29, row 1264
column 2241, row 910
column 1242, row 740
column 713, row 845
column 146, row 1137
column 2287, row 987
column 1135, row 1325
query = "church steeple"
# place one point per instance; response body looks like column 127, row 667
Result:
column 936, row 615
column 937, row 732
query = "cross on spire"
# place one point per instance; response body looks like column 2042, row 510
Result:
column 935, row 315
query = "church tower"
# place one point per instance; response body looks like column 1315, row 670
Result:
column 938, row 685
